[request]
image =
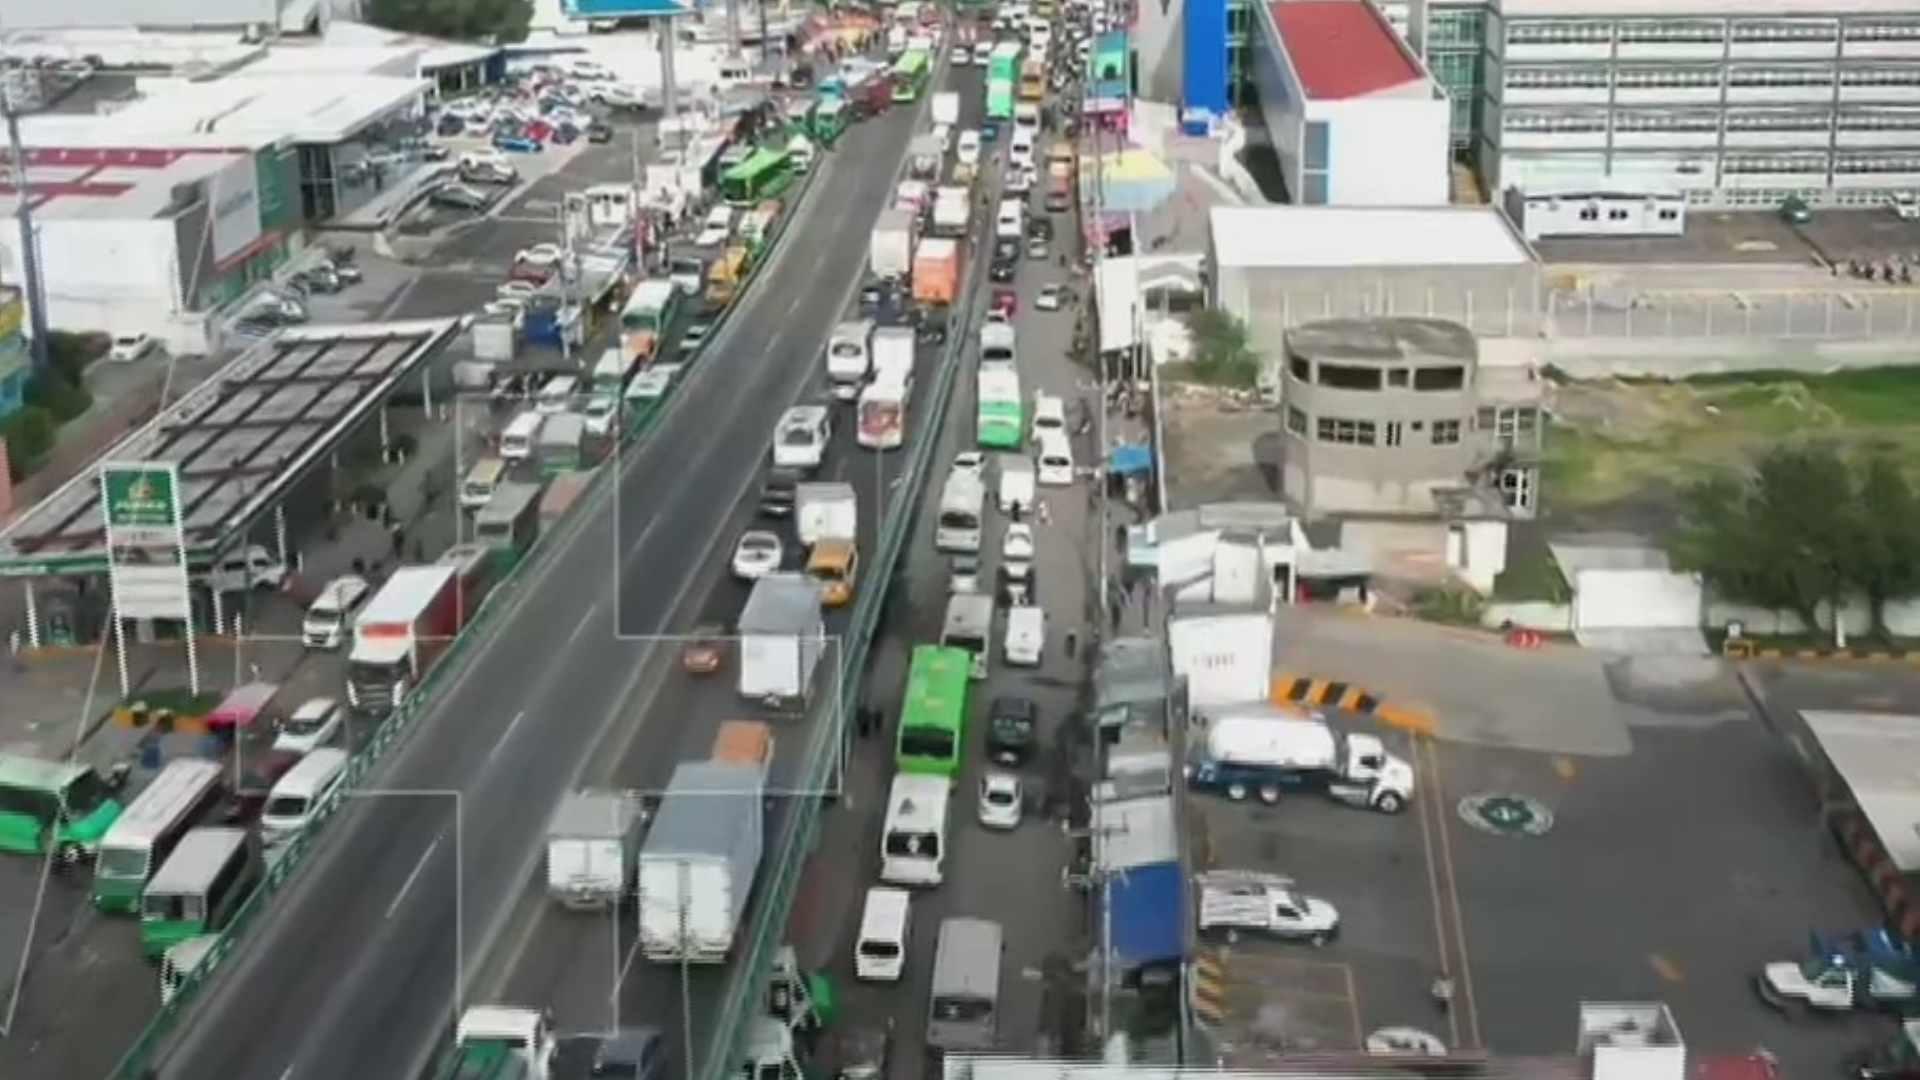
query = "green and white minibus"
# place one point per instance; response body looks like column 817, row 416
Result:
column 58, row 805
column 209, row 875
column 146, row 832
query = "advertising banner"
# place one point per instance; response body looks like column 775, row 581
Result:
column 146, row 556
column 233, row 198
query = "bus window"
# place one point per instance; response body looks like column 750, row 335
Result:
column 765, row 172
column 49, row 804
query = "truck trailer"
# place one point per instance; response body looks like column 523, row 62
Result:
column 699, row 861
column 400, row 634
column 1263, row 751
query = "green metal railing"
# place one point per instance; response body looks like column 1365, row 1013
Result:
column 288, row 860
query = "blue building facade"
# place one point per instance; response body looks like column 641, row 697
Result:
column 16, row 362
column 1203, row 83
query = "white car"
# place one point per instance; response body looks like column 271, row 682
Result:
column 130, row 347
column 1017, row 544
column 1053, row 462
column 971, row 461
column 800, row 439
column 1906, row 205
column 968, row 152
column 540, row 256
column 963, row 574
column 1019, row 182
column 962, row 56
column 517, row 290
column 316, row 723
column 1049, row 416
column 757, row 554
column 1051, row 298
column 718, row 228
column 599, row 414
column 982, row 53
column 1000, row 799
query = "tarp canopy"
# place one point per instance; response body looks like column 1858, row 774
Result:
column 1130, row 459
column 1132, row 181
column 1149, row 914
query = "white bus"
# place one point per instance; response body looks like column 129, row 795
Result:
column 883, row 412
column 610, row 373
column 913, row 842
column 962, row 504
column 146, row 831
column 516, row 442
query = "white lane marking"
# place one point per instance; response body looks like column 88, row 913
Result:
column 507, row 735
column 585, row 618
column 415, row 876
column 288, row 1073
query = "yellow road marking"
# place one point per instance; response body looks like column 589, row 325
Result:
column 1666, row 968
column 1565, row 768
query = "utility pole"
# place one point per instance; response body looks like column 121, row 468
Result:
column 733, row 25
column 33, row 286
column 766, row 47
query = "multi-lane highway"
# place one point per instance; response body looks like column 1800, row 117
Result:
column 354, row 973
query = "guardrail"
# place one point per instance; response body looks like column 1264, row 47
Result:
column 769, row 929
column 134, row 1063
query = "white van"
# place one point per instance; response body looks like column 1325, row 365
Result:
column 1049, row 415
column 880, row 953
column 1053, row 460
column 1020, row 153
column 1026, row 118
column 1016, row 483
column 517, row 441
column 325, row 624
column 1011, row 222
column 1026, row 635
column 303, row 795
column 556, row 394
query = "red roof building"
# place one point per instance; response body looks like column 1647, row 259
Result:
column 1342, row 48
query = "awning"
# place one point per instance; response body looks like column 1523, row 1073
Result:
column 1149, row 911
column 1130, row 460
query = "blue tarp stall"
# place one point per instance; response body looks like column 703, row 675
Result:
column 1148, row 906
column 1130, row 459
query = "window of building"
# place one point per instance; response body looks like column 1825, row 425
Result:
column 1296, row 420
column 1446, row 432
column 1313, row 146
column 1876, row 162
column 1439, row 378
column 1393, row 433
column 1774, row 163
column 1397, row 376
column 1884, row 30
column 1556, row 78
column 1236, row 20
column 1660, row 32
column 1313, row 189
column 1667, row 78
column 1698, row 120
column 1559, row 33
column 1301, row 369
column 1907, row 75
column 1786, row 30
column 1669, row 215
column 1573, row 121
column 1350, row 432
column 1781, row 77
column 1456, row 26
column 1349, row 377
column 1880, row 119
column 1779, row 119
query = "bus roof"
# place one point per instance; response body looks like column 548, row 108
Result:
column 196, row 859
column 509, row 501
column 911, row 61
column 653, row 292
column 183, row 783
column 38, row 774
column 762, row 159
column 1006, row 48
column 996, row 385
column 937, row 678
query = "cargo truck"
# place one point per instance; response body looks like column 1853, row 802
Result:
column 890, row 253
column 952, row 212
column 399, row 635
column 893, row 352
column 924, row 156
column 936, row 271
column 782, row 636
column 1224, row 652
column 1262, row 751
column 827, row 519
column 593, row 844
column 499, row 1042
column 699, row 860
column 946, row 108
column 495, row 338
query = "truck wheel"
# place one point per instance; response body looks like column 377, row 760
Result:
column 1237, row 792
column 1389, row 802
column 1269, row 794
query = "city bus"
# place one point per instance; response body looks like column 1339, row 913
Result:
column 933, row 715
column 205, row 880
column 765, row 173
column 1003, row 64
column 146, row 832
column 1000, row 100
column 59, row 805
column 910, row 74
column 1000, row 423
column 1033, row 80
column 883, row 411
column 829, row 120
column 649, row 311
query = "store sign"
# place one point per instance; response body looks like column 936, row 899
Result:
column 146, row 555
column 233, row 198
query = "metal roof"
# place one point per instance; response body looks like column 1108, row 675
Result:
column 1135, row 832
column 1342, row 48
column 240, row 439
column 1878, row 756
column 782, row 604
column 1322, row 237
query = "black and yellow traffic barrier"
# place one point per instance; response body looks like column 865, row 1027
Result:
column 1304, row 692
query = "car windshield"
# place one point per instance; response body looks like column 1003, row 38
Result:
column 286, row 806
column 999, row 796
column 759, row 545
column 309, row 724
column 797, row 436
column 918, row 845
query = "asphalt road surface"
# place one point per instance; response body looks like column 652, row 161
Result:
column 354, row 972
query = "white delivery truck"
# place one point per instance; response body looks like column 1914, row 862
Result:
column 782, row 635
column 1261, row 750
column 893, row 350
column 699, row 860
column 946, row 108
column 825, row 511
column 849, row 357
column 1016, row 482
column 1225, row 652
column 592, row 842
column 924, row 154
column 495, row 338
column 501, row 1040
column 890, row 251
column 952, row 212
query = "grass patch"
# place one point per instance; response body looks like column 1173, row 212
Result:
column 179, row 699
column 1531, row 575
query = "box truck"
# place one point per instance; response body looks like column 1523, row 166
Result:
column 890, row 252
column 593, row 845
column 399, row 635
column 782, row 635
column 936, row 271
column 699, row 860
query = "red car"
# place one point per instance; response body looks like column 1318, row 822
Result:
column 1006, row 302
column 538, row 131
column 530, row 271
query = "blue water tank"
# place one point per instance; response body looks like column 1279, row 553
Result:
column 1204, row 66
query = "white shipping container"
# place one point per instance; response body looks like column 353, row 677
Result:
column 1227, row 656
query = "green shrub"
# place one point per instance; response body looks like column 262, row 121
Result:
column 70, row 353
column 29, row 435
column 55, row 392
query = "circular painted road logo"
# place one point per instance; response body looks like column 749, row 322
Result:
column 1506, row 814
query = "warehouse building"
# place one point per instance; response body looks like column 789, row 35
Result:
column 1353, row 117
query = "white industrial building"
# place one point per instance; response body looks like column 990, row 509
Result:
column 1354, row 117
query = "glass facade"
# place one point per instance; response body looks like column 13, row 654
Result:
column 338, row 178
column 1456, row 54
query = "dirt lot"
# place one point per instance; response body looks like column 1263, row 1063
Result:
column 1627, row 449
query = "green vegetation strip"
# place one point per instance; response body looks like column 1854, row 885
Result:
column 136, row 1061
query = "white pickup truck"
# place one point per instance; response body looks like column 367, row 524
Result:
column 1235, row 900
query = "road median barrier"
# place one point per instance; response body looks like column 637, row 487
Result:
column 1750, row 649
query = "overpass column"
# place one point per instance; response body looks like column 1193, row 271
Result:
column 280, row 530
column 219, row 614
column 33, row 614
column 383, row 431
column 426, row 388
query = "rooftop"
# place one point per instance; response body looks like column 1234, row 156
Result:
column 114, row 183
column 1875, row 753
column 236, row 110
column 1680, row 9
column 1342, row 48
column 1383, row 340
column 1324, row 237
column 240, row 439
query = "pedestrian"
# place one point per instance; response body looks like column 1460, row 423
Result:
column 399, row 539
column 1073, row 643
column 1040, row 511
column 1113, row 612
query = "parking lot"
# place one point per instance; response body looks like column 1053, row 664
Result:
column 1542, row 866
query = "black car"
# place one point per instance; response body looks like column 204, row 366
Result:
column 777, row 492
column 1006, row 249
column 872, row 296
column 640, row 1053
column 1039, row 228
column 931, row 328
column 599, row 132
column 1003, row 270
column 1011, row 727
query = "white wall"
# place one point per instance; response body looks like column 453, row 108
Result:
column 1386, row 151
column 106, row 275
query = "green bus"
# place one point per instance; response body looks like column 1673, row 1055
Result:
column 1003, row 64
column 206, row 879
column 910, row 74
column 1000, row 101
column 999, row 423
column 53, row 805
column 829, row 120
column 765, row 173
column 146, row 832
column 933, row 716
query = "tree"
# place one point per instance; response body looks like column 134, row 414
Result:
column 1221, row 353
column 1884, row 562
column 458, row 20
column 1780, row 538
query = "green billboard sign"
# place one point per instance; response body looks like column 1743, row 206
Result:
column 140, row 497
